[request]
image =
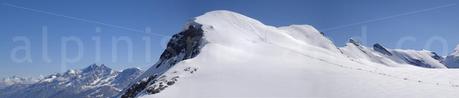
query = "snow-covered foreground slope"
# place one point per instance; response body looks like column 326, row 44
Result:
column 223, row 54
column 286, row 74
column 91, row 82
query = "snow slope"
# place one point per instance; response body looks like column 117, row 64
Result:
column 94, row 81
column 230, row 55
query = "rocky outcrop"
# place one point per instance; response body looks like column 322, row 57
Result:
column 182, row 46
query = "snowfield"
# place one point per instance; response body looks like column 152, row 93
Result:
column 242, row 58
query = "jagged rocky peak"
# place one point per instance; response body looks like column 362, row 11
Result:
column 437, row 57
column 95, row 67
column 183, row 45
column 72, row 72
column 379, row 48
column 355, row 42
column 322, row 33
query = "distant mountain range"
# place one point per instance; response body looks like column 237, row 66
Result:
column 93, row 81
column 5, row 82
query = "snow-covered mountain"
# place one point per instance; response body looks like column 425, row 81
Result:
column 226, row 54
column 94, row 81
column 5, row 82
column 452, row 60
column 392, row 57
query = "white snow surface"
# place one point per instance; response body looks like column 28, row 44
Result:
column 246, row 59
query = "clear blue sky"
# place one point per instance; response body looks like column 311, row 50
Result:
column 419, row 24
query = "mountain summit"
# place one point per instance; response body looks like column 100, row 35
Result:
column 226, row 54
